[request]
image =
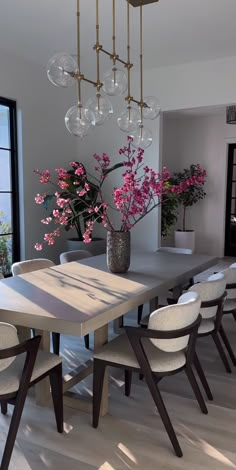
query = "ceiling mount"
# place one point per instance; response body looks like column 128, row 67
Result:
column 137, row 3
column 231, row 114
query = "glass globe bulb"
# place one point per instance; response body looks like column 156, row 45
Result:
column 60, row 69
column 129, row 119
column 79, row 120
column 101, row 107
column 153, row 108
column 114, row 82
column 142, row 137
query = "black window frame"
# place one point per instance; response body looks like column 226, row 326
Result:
column 13, row 150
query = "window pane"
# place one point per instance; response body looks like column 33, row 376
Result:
column 5, row 254
column 5, row 213
column 5, row 173
column 4, row 127
column 233, row 189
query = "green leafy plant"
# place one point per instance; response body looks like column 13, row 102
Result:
column 191, row 180
column 169, row 213
column 190, row 183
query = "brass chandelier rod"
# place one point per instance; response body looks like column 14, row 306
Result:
column 79, row 76
column 114, row 56
column 97, row 48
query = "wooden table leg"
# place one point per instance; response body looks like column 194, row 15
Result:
column 100, row 338
column 153, row 304
column 42, row 388
column 23, row 333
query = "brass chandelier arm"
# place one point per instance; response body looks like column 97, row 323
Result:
column 97, row 47
column 78, row 75
column 78, row 50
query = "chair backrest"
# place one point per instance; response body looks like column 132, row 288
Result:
column 172, row 249
column 8, row 339
column 211, row 289
column 230, row 276
column 175, row 317
column 74, row 255
column 23, row 267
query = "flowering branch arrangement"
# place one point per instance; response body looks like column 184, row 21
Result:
column 142, row 190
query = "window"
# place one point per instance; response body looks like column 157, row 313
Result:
column 9, row 195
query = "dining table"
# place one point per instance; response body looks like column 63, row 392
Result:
column 78, row 298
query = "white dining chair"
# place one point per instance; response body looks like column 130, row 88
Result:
column 22, row 365
column 165, row 348
column 167, row 249
column 213, row 294
column 28, row 266
column 230, row 305
column 75, row 255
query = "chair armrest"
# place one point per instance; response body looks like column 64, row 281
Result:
column 158, row 334
column 27, row 346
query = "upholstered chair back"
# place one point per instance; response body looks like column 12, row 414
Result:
column 23, row 267
column 172, row 249
column 175, row 317
column 8, row 339
column 230, row 275
column 211, row 289
column 74, row 255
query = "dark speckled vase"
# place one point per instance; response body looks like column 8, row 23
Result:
column 118, row 251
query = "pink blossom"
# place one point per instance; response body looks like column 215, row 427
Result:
column 47, row 220
column 38, row 246
column 39, row 199
column 63, row 184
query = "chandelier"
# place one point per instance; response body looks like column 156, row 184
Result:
column 64, row 70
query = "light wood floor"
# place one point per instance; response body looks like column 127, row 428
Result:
column 132, row 435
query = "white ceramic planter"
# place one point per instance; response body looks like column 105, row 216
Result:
column 96, row 247
column 185, row 239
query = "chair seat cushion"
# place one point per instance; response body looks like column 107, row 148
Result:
column 10, row 377
column 206, row 326
column 120, row 351
column 230, row 305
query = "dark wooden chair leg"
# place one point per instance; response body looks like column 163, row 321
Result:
column 128, row 382
column 227, row 345
column 140, row 313
column 99, row 368
column 57, row 395
column 196, row 389
column 13, row 429
column 163, row 413
column 222, row 354
column 234, row 315
column 56, row 343
column 202, row 377
column 86, row 341
column 4, row 407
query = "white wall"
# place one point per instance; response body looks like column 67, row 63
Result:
column 202, row 140
column 43, row 139
column 194, row 84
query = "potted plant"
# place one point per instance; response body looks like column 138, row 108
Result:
column 191, row 181
column 69, row 205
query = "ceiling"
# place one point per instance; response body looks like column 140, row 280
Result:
column 175, row 31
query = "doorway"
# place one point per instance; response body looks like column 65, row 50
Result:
column 230, row 220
